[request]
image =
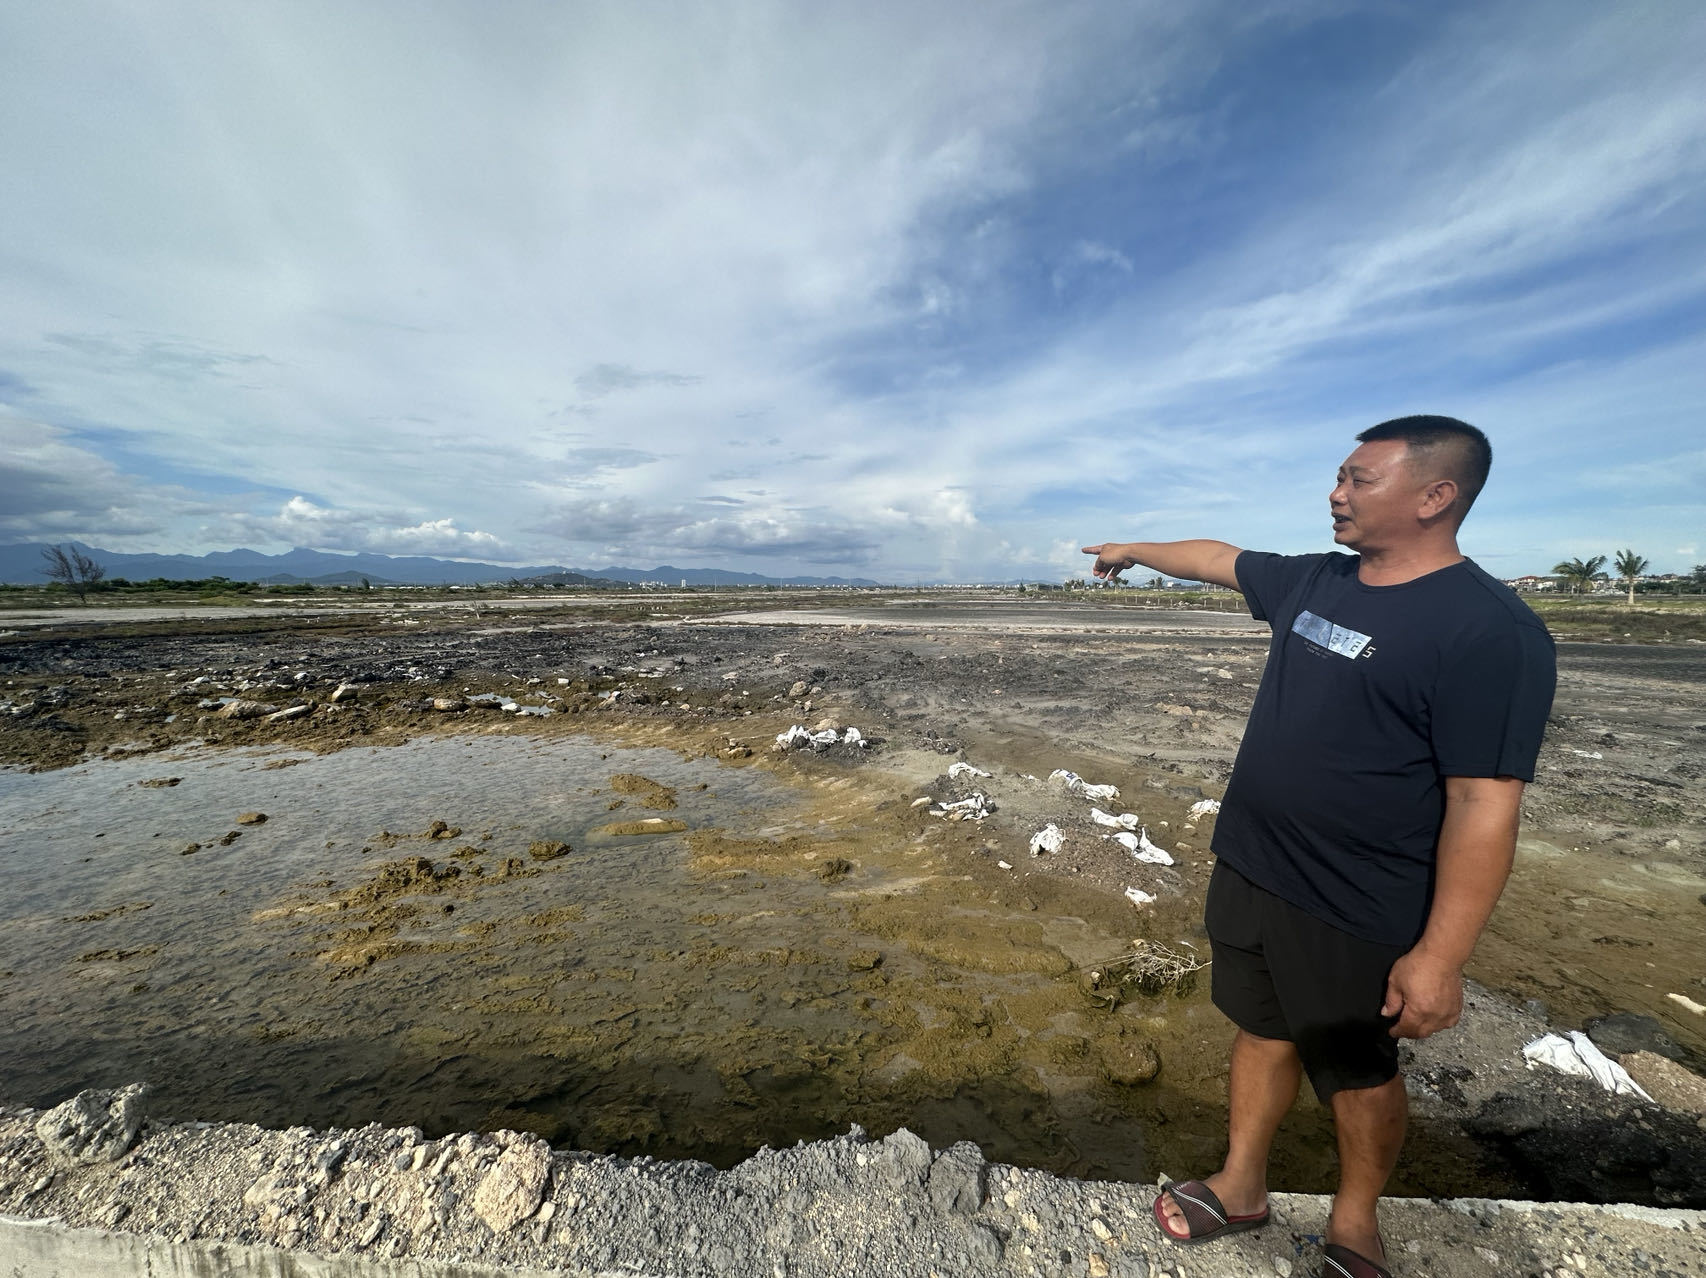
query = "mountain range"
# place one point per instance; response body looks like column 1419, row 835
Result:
column 22, row 563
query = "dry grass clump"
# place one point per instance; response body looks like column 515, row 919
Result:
column 1149, row 967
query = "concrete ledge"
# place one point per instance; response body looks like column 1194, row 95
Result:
column 196, row 1200
column 47, row 1249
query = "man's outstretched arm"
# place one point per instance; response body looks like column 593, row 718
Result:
column 1477, row 844
column 1199, row 560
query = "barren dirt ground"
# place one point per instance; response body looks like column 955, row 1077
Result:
column 1604, row 914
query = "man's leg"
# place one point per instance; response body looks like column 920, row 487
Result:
column 1264, row 1077
column 1370, row 1123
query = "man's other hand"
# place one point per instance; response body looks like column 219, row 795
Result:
column 1424, row 993
column 1112, row 558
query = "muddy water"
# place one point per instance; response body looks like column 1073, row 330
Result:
column 495, row 932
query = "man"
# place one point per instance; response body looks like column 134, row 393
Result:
column 1371, row 819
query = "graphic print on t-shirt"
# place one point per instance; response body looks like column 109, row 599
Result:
column 1324, row 634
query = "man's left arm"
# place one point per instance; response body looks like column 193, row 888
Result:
column 1477, row 843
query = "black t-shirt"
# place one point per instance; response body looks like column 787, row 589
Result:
column 1372, row 696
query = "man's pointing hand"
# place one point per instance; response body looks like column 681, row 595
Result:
column 1112, row 558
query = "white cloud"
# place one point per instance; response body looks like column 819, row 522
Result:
column 299, row 522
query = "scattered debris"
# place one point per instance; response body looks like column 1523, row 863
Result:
column 1140, row 847
column 1138, row 897
column 973, row 808
column 1682, row 1000
column 1576, row 1054
column 1082, row 788
column 1125, row 821
column 1203, row 807
column 1047, row 839
column 800, row 735
column 963, row 769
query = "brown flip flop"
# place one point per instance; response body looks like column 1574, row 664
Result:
column 1342, row 1262
column 1204, row 1214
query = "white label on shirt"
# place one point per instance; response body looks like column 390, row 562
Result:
column 1339, row 639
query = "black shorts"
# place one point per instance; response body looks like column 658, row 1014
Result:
column 1281, row 973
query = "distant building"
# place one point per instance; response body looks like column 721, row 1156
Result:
column 1532, row 583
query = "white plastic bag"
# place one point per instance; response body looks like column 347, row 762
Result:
column 1125, row 821
column 1141, row 848
column 1079, row 786
column 1578, row 1055
column 1047, row 839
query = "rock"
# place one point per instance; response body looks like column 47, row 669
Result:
column 1576, row 1143
column 827, row 725
column 94, row 1126
column 241, row 709
column 903, row 1159
column 447, row 705
column 798, row 690
column 290, row 712
column 1128, row 1060
column 344, row 692
column 251, row 818
column 864, row 960
column 982, row 1245
column 1628, row 1032
column 548, row 849
column 956, row 1180
column 1668, row 1083
column 442, row 830
column 514, row 1188
column 189, row 849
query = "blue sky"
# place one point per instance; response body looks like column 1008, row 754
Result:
column 913, row 292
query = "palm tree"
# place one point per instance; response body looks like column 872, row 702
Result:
column 1629, row 567
column 1581, row 573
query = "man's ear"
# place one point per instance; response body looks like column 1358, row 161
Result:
column 1437, row 498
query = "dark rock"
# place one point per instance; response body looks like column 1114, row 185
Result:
column 956, row 1180
column 1628, row 1032
column 1576, row 1143
column 903, row 1159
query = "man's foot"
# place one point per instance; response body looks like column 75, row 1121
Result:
column 1362, row 1242
column 1226, row 1207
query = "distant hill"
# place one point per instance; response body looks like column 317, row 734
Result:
column 22, row 563
column 667, row 576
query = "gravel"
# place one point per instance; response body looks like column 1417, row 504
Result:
column 889, row 1208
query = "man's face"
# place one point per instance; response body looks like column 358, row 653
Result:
column 1376, row 499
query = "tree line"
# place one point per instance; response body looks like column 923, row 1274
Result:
column 1582, row 575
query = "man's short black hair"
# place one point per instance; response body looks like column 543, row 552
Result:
column 1460, row 452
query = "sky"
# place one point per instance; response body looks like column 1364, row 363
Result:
column 921, row 291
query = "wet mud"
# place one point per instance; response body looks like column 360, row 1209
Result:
column 631, row 925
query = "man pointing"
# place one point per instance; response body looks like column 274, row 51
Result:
column 1371, row 818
